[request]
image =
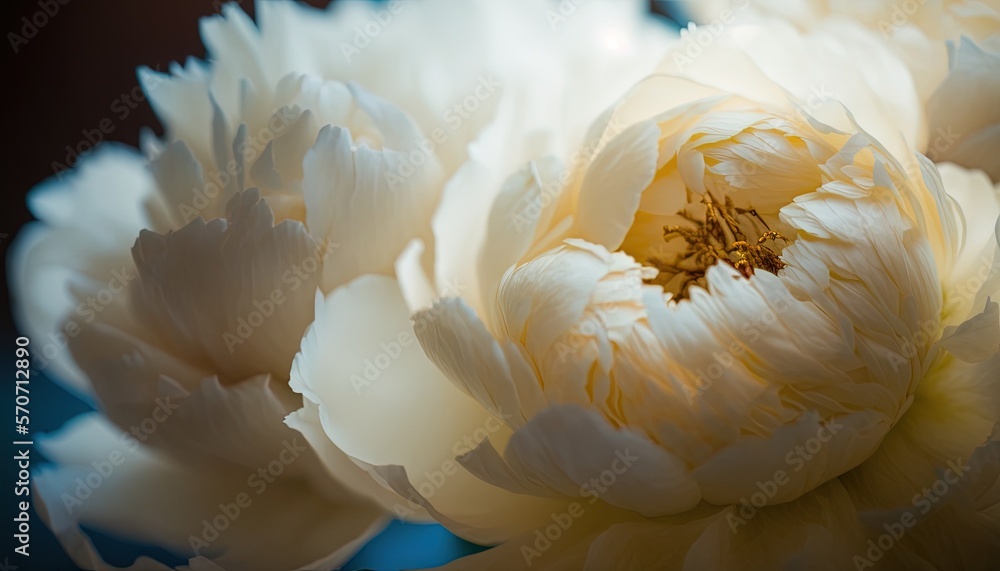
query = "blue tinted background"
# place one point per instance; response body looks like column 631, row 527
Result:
column 400, row 546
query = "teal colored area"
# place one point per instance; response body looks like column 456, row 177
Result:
column 411, row 546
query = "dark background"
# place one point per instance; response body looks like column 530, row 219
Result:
column 59, row 85
column 66, row 79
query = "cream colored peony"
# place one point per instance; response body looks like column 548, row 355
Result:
column 173, row 287
column 949, row 51
column 731, row 332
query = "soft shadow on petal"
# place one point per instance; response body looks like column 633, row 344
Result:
column 234, row 295
column 353, row 475
column 963, row 112
column 81, row 245
column 496, row 373
column 361, row 362
column 365, row 203
column 818, row 531
column 576, row 453
column 281, row 524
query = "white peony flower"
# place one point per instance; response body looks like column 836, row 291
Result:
column 173, row 287
column 949, row 50
column 729, row 333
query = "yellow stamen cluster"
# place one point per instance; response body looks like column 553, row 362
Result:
column 722, row 235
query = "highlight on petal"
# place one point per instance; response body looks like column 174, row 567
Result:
column 362, row 364
column 349, row 185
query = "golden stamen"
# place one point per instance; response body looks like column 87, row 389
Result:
column 717, row 237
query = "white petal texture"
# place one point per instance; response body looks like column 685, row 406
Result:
column 942, row 52
column 594, row 293
column 193, row 361
column 88, row 221
column 360, row 362
column 263, row 519
column 311, row 169
column 962, row 111
column 758, row 306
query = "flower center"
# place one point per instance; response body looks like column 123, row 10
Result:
column 722, row 232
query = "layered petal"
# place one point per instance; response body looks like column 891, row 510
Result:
column 964, row 122
column 230, row 520
column 366, row 380
column 80, row 244
column 230, row 295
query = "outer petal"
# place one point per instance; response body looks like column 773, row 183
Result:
column 560, row 543
column 771, row 61
column 366, row 381
column 234, row 295
column 612, row 186
column 182, row 102
column 575, row 452
column 817, row 531
column 646, row 544
column 82, row 242
column 952, row 523
column 280, row 525
column 932, row 472
column 495, row 373
column 963, row 114
column 185, row 411
column 524, row 205
column 481, row 227
column 352, row 475
column 370, row 203
column 974, row 275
